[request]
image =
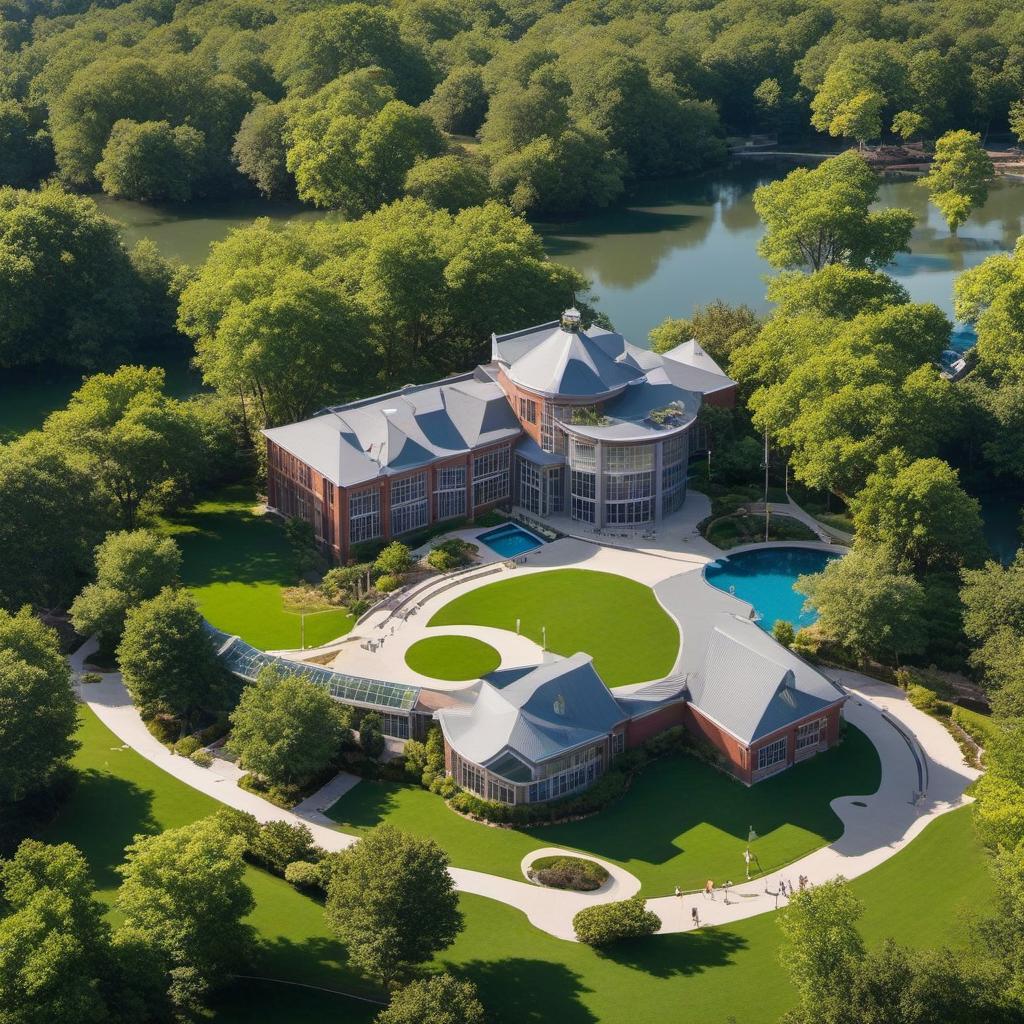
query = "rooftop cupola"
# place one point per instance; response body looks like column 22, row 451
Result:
column 571, row 320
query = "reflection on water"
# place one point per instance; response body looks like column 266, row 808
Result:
column 672, row 245
column 678, row 244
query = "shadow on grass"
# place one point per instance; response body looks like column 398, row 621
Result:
column 313, row 960
column 261, row 1002
column 681, row 793
column 103, row 817
column 368, row 804
column 677, row 955
column 521, row 991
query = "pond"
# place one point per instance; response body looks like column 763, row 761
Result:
column 764, row 578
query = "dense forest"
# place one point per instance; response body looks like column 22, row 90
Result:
column 549, row 106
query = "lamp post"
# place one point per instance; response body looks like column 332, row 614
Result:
column 302, row 630
column 766, row 513
column 543, row 638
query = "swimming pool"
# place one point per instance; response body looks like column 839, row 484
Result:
column 765, row 578
column 510, row 540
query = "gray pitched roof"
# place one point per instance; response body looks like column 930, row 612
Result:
column 752, row 686
column 689, row 366
column 568, row 364
column 391, row 433
column 539, row 715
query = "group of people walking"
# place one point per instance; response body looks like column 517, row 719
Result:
column 785, row 889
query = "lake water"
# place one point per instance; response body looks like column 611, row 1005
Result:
column 671, row 246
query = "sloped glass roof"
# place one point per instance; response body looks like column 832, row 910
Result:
column 245, row 661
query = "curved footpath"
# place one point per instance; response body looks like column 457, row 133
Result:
column 916, row 754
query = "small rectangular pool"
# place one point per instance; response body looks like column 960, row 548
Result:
column 510, row 540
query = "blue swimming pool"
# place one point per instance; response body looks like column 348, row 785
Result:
column 510, row 540
column 765, row 579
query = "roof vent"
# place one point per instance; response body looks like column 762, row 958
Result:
column 571, row 319
column 559, row 705
column 389, row 412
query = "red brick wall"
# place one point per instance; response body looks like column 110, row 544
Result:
column 639, row 730
column 513, row 392
column 726, row 398
column 736, row 755
column 285, row 486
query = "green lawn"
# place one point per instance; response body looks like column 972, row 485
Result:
column 525, row 976
column 681, row 823
column 616, row 620
column 452, row 657
column 236, row 562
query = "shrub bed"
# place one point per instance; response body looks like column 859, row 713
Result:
column 576, row 873
column 979, row 727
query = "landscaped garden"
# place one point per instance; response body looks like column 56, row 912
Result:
column 681, row 822
column 614, row 619
column 238, row 564
column 452, row 657
column 917, row 897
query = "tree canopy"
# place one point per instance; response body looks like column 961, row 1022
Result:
column 286, row 728
column 39, row 716
column 823, row 215
column 959, row 176
column 392, row 902
column 291, row 318
column 166, row 658
column 131, row 567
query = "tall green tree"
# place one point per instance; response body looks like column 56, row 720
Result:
column 131, row 567
column 124, row 430
column 719, row 328
column 151, row 160
column 920, row 514
column 286, row 728
column 959, row 177
column 53, row 515
column 823, row 215
column 184, row 895
column 167, row 659
column 67, row 289
column 38, row 716
column 822, row 948
column 54, row 941
column 867, row 606
column 392, row 902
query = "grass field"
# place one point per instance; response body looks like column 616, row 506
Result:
column 236, row 563
column 524, row 975
column 452, row 657
column 616, row 620
column 681, row 823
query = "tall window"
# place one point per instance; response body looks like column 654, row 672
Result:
column 408, row 503
column 629, row 484
column 531, row 496
column 491, row 476
column 450, row 492
column 773, row 753
column 364, row 516
column 527, row 410
column 808, row 735
column 674, row 454
column 552, row 439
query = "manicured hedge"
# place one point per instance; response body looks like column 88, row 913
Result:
column 613, row 922
column 979, row 727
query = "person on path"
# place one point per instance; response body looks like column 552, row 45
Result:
column 695, row 917
column 679, row 893
column 709, row 889
column 726, row 887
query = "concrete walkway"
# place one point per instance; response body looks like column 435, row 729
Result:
column 912, row 748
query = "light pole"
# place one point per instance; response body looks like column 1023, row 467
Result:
column 543, row 638
column 766, row 514
column 302, row 630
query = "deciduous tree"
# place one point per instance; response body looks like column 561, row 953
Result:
column 392, row 902
column 440, row 998
column 166, row 657
column 39, row 716
column 959, row 177
column 151, row 160
column 131, row 567
column 286, row 728
column 823, row 215
column 184, row 894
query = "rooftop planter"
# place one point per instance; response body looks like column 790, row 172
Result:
column 667, row 416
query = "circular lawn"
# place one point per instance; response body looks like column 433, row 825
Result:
column 615, row 620
column 452, row 657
